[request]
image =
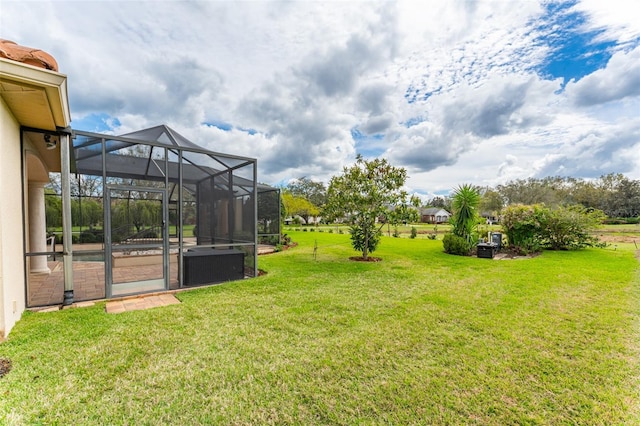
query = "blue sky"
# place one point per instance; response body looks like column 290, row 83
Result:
column 456, row 91
column 576, row 51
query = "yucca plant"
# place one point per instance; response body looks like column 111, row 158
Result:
column 465, row 201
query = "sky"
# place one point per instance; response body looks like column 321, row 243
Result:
column 456, row 91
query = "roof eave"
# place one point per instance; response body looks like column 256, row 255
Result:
column 53, row 84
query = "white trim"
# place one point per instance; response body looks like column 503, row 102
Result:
column 53, row 83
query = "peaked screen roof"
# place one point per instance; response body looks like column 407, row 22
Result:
column 164, row 135
column 120, row 162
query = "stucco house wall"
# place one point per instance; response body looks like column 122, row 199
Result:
column 32, row 95
column 12, row 284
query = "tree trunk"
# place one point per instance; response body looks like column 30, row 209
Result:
column 365, row 249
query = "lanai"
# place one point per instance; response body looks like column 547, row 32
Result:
column 156, row 202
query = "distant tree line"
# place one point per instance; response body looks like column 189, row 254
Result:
column 614, row 194
column 539, row 213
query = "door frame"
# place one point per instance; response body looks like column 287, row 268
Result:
column 109, row 243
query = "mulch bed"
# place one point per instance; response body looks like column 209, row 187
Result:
column 514, row 254
column 5, row 366
column 287, row 247
column 368, row 259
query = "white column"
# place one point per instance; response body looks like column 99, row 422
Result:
column 37, row 228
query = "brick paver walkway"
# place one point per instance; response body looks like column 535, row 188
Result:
column 141, row 302
column 88, row 282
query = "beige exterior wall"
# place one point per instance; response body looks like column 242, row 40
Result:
column 12, row 285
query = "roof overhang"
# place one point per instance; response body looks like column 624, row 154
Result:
column 37, row 97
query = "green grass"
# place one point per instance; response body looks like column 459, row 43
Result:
column 419, row 338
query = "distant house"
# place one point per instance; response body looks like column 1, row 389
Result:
column 313, row 220
column 490, row 217
column 434, row 215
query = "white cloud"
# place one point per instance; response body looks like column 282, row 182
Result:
column 596, row 151
column 452, row 86
column 617, row 19
column 619, row 80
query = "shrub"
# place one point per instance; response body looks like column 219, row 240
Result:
column 273, row 240
column 532, row 228
column 90, row 237
column 414, row 232
column 149, row 233
column 526, row 246
column 522, row 224
column 569, row 228
column 454, row 244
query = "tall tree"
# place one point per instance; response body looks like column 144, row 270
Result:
column 269, row 212
column 314, row 192
column 299, row 206
column 622, row 195
column 365, row 192
column 440, row 202
column 491, row 202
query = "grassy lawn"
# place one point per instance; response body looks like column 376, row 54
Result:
column 419, row 338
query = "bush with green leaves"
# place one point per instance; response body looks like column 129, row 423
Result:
column 569, row 228
column 91, row 236
column 148, row 233
column 454, row 244
column 414, row 232
column 530, row 228
column 522, row 225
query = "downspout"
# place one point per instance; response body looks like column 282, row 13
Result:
column 67, row 236
column 255, row 218
column 279, row 217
